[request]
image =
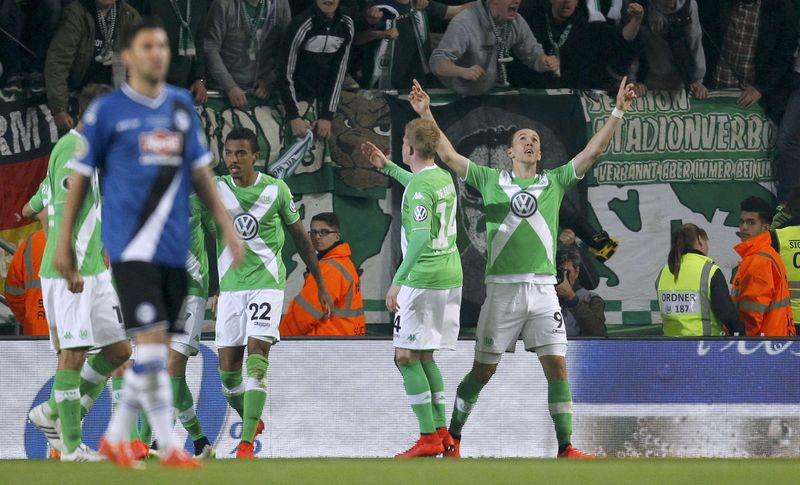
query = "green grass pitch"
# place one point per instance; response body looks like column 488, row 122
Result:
column 416, row 472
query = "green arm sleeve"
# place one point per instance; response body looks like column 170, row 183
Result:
column 417, row 243
column 39, row 199
column 401, row 175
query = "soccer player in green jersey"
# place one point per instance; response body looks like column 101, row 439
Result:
column 521, row 210
column 251, row 295
column 425, row 294
column 187, row 344
column 82, row 314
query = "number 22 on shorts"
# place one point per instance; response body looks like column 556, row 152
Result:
column 260, row 312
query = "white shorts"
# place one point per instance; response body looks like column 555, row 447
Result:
column 248, row 313
column 427, row 319
column 188, row 343
column 514, row 309
column 91, row 318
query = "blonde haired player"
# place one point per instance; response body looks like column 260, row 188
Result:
column 426, row 290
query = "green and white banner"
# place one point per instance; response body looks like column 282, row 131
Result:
column 674, row 160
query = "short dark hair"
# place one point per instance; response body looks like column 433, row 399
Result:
column 89, row 93
column 328, row 218
column 147, row 23
column 568, row 253
column 762, row 207
column 242, row 133
column 514, row 131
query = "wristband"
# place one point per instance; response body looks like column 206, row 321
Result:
column 617, row 113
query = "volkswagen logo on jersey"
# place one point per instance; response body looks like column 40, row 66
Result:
column 524, row 204
column 420, row 213
column 246, row 226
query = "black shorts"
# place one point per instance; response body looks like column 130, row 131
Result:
column 150, row 295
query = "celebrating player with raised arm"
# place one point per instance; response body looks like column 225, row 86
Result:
column 426, row 290
column 521, row 210
column 146, row 142
column 251, row 295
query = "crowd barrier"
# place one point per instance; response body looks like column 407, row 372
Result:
column 344, row 398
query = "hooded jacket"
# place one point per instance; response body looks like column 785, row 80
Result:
column 227, row 44
column 304, row 315
column 72, row 49
column 672, row 45
column 761, row 291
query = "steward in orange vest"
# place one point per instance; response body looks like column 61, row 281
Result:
column 23, row 287
column 304, row 315
column 761, row 291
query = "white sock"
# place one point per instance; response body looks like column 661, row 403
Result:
column 127, row 410
column 155, row 392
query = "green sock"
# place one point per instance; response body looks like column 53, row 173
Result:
column 183, row 402
column 94, row 374
column 466, row 396
column 255, row 396
column 559, row 400
column 233, row 389
column 68, row 401
column 145, row 432
column 52, row 406
column 436, row 382
column 418, row 391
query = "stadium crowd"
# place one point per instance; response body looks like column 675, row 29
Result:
column 302, row 50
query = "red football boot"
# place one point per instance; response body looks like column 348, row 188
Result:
column 245, row 450
column 120, row 454
column 427, row 445
column 451, row 445
column 572, row 452
column 179, row 458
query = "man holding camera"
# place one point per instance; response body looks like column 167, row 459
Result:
column 583, row 310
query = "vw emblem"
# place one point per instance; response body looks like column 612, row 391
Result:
column 524, row 204
column 246, row 226
column 420, row 213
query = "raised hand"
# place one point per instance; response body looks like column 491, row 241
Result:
column 419, row 99
column 636, row 11
column 374, row 155
column 625, row 95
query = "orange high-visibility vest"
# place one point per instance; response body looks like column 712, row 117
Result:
column 304, row 315
column 761, row 291
column 23, row 287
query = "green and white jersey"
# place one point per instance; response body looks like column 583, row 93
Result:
column 429, row 204
column 521, row 221
column 259, row 213
column 200, row 221
column 52, row 193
